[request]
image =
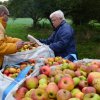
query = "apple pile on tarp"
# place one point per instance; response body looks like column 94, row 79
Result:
column 68, row 81
column 29, row 46
column 13, row 71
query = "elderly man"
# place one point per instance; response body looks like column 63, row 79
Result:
column 62, row 40
column 8, row 45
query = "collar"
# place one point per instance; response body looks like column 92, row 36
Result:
column 63, row 22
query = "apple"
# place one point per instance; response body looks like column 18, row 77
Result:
column 76, row 80
column 85, row 68
column 72, row 66
column 82, row 84
column 94, row 67
column 20, row 93
column 23, row 65
column 95, row 62
column 29, row 93
column 96, row 84
column 66, row 83
column 74, row 99
column 43, row 86
column 88, row 89
column 40, row 76
column 92, row 76
column 83, row 73
column 75, row 91
column 82, row 78
column 70, row 72
column 6, row 72
column 43, row 81
column 77, row 73
column 57, row 77
column 63, row 94
column 56, row 59
column 91, row 96
column 18, row 70
column 31, row 60
column 64, row 66
column 58, row 72
column 26, row 98
column 50, row 59
column 31, row 82
column 12, row 70
column 79, row 95
column 45, row 70
column 39, row 94
column 52, row 90
column 51, row 79
column 53, row 73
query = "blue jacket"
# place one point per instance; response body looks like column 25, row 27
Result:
column 62, row 40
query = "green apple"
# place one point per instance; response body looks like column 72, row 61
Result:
column 82, row 78
column 75, row 91
column 65, row 66
column 76, row 80
column 43, row 81
column 91, row 96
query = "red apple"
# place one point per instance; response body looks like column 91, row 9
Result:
column 77, row 73
column 45, row 70
column 88, row 89
column 63, row 94
column 39, row 94
column 52, row 90
column 94, row 67
column 20, row 93
column 31, row 82
column 82, row 84
column 85, row 68
column 31, row 60
column 6, row 72
column 66, row 83
column 92, row 76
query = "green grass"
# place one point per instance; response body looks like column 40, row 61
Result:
column 88, row 38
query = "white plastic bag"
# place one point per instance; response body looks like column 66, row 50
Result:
column 40, row 52
column 7, row 84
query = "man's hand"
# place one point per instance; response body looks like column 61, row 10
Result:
column 19, row 44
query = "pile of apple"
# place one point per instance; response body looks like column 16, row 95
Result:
column 13, row 71
column 68, row 81
column 29, row 46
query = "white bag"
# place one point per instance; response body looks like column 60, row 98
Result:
column 7, row 84
column 40, row 52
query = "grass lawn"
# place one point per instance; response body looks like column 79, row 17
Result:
column 88, row 40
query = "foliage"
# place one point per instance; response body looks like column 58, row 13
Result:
column 81, row 11
column 87, row 48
